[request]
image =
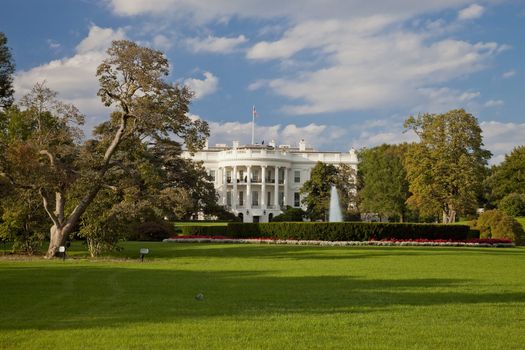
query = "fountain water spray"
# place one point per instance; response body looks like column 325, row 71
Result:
column 335, row 208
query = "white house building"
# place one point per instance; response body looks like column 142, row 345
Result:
column 256, row 181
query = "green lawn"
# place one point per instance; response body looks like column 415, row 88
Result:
column 266, row 297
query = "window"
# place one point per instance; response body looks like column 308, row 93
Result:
column 241, row 175
column 296, row 199
column 297, row 176
column 212, row 175
column 241, row 198
column 228, row 198
column 281, row 199
column 255, row 198
column 255, row 175
column 228, row 176
column 268, row 198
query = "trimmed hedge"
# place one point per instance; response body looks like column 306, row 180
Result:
column 349, row 231
column 335, row 231
column 204, row 230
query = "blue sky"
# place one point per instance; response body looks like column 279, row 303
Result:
column 339, row 73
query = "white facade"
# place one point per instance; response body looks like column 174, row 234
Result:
column 255, row 181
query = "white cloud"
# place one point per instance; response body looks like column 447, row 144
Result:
column 74, row 77
column 53, row 44
column 500, row 138
column 376, row 66
column 472, row 12
column 508, row 74
column 206, row 86
column 494, row 103
column 162, row 42
column 221, row 10
column 99, row 39
column 316, row 135
column 215, row 44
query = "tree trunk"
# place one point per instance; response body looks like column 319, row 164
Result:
column 58, row 237
column 449, row 216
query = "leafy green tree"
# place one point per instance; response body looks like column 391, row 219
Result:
column 447, row 167
column 509, row 176
column 7, row 68
column 23, row 221
column 316, row 190
column 513, row 204
column 150, row 113
column 384, row 180
column 496, row 224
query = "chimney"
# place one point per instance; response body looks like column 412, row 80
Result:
column 272, row 143
column 235, row 144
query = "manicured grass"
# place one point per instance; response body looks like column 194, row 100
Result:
column 266, row 297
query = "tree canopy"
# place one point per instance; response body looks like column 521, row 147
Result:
column 447, row 166
column 7, row 69
column 384, row 188
column 136, row 151
column 509, row 176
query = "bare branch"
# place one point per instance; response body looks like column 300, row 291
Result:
column 49, row 212
column 51, row 157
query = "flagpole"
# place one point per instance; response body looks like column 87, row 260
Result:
column 253, row 125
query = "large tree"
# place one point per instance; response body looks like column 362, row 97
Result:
column 447, row 166
column 384, row 188
column 149, row 114
column 7, row 68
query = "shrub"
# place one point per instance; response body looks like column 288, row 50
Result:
column 497, row 224
column 204, row 230
column 154, row 231
column 348, row 231
column 513, row 204
column 290, row 214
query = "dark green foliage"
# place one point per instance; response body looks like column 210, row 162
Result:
column 513, row 204
column 7, row 68
column 383, row 181
column 22, row 221
column 154, row 231
column 205, row 230
column 509, row 176
column 348, row 231
column 497, row 224
column 290, row 214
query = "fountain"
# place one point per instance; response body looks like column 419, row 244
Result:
column 335, row 209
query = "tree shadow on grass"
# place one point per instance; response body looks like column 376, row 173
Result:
column 72, row 297
column 318, row 252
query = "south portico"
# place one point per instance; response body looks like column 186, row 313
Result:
column 254, row 190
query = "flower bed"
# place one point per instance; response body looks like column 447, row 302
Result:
column 392, row 242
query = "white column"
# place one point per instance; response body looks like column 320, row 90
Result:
column 276, row 193
column 249, row 188
column 263, row 187
column 234, row 194
column 285, row 187
column 224, row 185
